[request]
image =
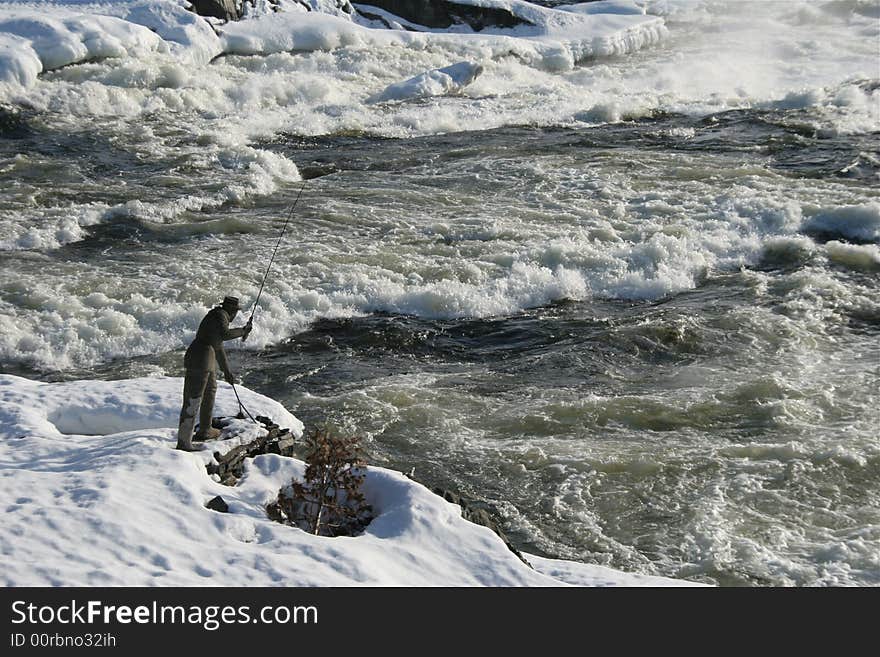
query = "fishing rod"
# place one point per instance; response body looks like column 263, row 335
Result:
column 241, row 407
column 272, row 259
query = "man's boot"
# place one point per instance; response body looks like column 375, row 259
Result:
column 187, row 420
column 206, row 411
column 208, row 434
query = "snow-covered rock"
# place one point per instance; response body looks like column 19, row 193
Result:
column 63, row 32
column 95, row 494
column 229, row 10
column 444, row 81
column 188, row 36
column 33, row 41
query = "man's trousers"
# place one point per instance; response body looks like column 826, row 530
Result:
column 199, row 391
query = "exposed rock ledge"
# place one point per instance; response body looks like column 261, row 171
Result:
column 229, row 10
column 441, row 14
column 434, row 14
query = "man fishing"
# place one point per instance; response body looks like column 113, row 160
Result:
column 200, row 361
column 200, row 385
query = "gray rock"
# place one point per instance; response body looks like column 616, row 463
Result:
column 229, row 467
column 479, row 513
column 12, row 123
column 218, row 504
column 445, row 13
column 229, row 10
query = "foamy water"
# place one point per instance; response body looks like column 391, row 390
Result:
column 631, row 300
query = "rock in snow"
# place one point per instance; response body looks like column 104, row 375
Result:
column 217, row 504
column 78, row 458
column 445, row 13
column 229, row 10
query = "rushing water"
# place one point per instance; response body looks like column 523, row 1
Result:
column 633, row 305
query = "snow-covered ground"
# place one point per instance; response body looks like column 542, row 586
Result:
column 94, row 494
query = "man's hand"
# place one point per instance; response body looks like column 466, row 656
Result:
column 230, row 378
column 247, row 329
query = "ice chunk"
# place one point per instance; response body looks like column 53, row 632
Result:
column 437, row 82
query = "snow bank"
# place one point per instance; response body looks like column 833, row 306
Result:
column 189, row 36
column 556, row 40
column 274, row 33
column 33, row 40
column 95, row 495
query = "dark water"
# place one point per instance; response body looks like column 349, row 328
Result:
column 790, row 140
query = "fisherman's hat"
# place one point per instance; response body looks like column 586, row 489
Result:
column 231, row 303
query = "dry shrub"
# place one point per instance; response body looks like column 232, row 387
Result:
column 329, row 501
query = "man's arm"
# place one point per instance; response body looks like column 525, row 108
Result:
column 223, row 333
column 227, row 333
column 222, row 361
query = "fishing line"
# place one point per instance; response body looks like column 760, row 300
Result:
column 274, row 251
column 242, row 407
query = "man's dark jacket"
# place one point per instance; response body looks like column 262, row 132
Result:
column 206, row 351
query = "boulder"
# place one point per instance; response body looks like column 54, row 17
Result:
column 229, row 10
column 12, row 124
column 441, row 14
column 479, row 513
